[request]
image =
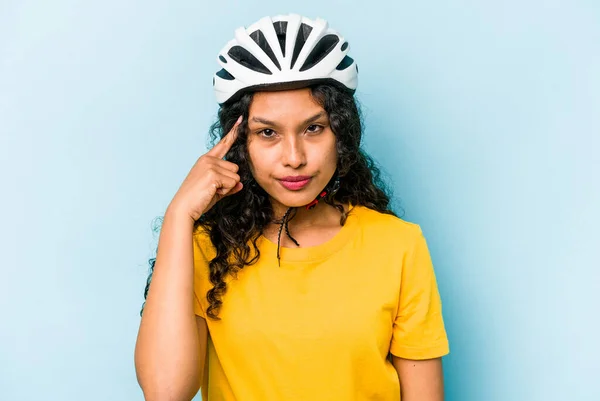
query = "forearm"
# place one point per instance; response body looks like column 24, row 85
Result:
column 167, row 348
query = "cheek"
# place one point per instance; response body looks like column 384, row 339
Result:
column 251, row 157
column 332, row 151
column 259, row 160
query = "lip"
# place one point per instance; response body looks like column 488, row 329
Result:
column 294, row 178
column 295, row 183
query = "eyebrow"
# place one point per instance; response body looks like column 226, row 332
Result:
column 273, row 123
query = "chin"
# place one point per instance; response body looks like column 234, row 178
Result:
column 295, row 200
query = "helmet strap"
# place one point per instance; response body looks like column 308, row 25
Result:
column 329, row 191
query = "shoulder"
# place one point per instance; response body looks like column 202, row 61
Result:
column 203, row 246
column 385, row 225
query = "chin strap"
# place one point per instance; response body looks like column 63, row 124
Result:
column 335, row 186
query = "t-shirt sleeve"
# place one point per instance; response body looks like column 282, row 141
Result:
column 200, row 275
column 418, row 330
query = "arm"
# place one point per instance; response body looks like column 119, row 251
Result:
column 419, row 337
column 420, row 380
column 171, row 343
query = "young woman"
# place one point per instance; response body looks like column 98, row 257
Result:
column 281, row 273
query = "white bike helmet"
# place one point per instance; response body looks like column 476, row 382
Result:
column 283, row 52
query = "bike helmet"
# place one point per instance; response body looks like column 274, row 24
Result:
column 283, row 52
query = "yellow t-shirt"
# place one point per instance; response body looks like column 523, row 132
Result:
column 320, row 326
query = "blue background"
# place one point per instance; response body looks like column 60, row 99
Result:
column 485, row 115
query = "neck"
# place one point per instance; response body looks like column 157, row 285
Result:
column 321, row 214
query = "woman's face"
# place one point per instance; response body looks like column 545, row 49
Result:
column 289, row 136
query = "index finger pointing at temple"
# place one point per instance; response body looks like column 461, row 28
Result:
column 221, row 148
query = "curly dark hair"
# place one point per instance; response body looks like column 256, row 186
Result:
column 238, row 220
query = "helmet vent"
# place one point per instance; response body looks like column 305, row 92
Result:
column 223, row 73
column 320, row 51
column 345, row 63
column 261, row 41
column 303, row 33
column 280, row 30
column 245, row 58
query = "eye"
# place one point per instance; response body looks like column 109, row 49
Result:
column 267, row 133
column 314, row 128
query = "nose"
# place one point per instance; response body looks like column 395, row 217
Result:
column 292, row 152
